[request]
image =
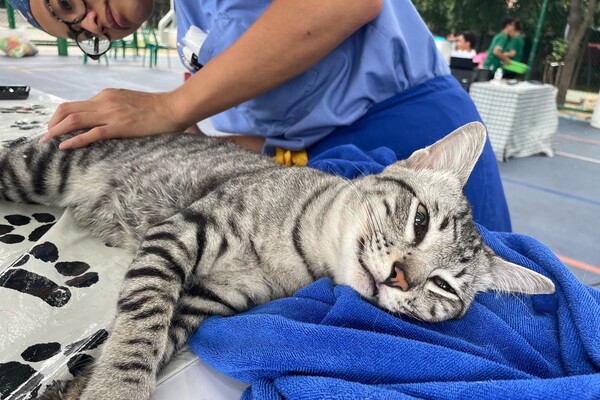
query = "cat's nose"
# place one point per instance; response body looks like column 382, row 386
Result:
column 397, row 277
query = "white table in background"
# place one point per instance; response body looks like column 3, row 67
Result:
column 521, row 118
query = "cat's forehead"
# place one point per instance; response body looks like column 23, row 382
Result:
column 439, row 191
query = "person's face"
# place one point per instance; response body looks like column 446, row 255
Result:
column 462, row 44
column 510, row 29
column 113, row 18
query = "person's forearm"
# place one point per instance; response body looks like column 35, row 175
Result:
column 498, row 53
column 290, row 37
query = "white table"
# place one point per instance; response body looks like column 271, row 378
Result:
column 26, row 320
column 521, row 118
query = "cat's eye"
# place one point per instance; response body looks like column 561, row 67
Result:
column 421, row 223
column 421, row 217
column 442, row 284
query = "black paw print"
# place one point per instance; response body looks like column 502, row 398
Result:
column 39, row 286
column 35, row 109
column 80, row 360
column 27, row 125
column 21, row 379
column 16, row 220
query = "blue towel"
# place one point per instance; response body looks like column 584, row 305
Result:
column 351, row 162
column 327, row 342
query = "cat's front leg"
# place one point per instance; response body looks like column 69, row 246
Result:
column 128, row 363
column 123, row 371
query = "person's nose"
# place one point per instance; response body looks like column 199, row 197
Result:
column 91, row 23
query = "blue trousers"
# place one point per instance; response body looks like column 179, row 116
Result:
column 417, row 118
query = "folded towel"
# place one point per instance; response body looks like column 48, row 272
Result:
column 327, row 342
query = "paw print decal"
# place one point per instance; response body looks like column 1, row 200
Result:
column 8, row 236
column 31, row 283
column 19, row 379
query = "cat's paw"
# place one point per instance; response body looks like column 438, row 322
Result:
column 66, row 390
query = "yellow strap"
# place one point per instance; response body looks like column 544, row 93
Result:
column 291, row 158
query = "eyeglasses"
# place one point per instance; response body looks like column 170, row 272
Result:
column 72, row 12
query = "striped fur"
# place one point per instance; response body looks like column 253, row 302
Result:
column 218, row 230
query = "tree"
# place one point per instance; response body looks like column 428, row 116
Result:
column 484, row 17
column 580, row 20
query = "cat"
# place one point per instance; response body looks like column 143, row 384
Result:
column 217, row 230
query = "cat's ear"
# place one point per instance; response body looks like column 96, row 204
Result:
column 458, row 152
column 509, row 277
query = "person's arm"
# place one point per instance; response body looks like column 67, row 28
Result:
column 290, row 37
column 502, row 56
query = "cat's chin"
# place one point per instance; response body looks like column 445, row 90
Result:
column 391, row 299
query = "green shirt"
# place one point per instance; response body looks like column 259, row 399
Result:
column 492, row 62
column 517, row 44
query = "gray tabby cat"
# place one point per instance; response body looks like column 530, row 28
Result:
column 219, row 230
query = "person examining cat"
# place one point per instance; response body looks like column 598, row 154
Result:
column 303, row 76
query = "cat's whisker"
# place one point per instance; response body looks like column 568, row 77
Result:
column 353, row 213
column 373, row 216
column 376, row 217
column 363, row 201
column 359, row 221
column 358, row 169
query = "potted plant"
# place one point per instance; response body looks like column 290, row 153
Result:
column 554, row 61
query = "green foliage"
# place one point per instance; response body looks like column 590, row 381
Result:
column 485, row 16
column 559, row 49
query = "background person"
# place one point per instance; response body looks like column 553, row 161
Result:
column 514, row 48
column 495, row 55
column 516, row 44
column 465, row 45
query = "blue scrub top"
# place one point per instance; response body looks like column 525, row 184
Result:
column 391, row 54
column 385, row 86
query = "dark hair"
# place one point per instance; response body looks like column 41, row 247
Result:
column 507, row 21
column 470, row 37
column 517, row 25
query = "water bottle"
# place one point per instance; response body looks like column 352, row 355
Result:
column 498, row 75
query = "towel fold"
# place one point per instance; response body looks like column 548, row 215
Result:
column 351, row 162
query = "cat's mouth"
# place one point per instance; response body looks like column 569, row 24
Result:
column 372, row 281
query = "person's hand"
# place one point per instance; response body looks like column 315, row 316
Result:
column 114, row 113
